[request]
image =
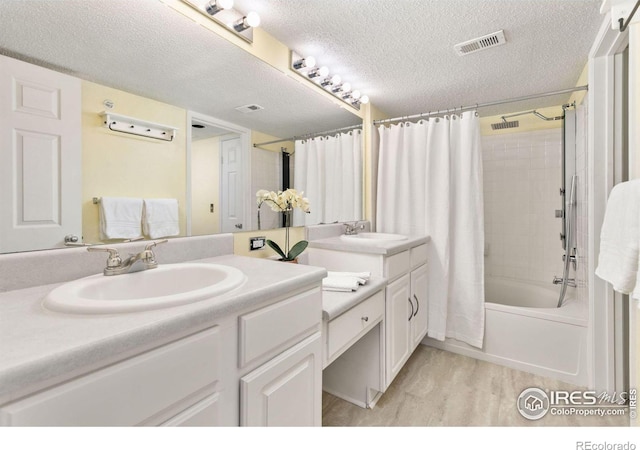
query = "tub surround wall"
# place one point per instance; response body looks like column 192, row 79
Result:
column 522, row 178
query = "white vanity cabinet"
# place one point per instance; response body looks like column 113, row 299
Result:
column 406, row 315
column 176, row 384
column 260, row 366
column 284, row 341
column 406, row 309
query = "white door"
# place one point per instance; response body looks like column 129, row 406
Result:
column 40, row 157
column 286, row 391
column 399, row 313
column 232, row 185
column 419, row 290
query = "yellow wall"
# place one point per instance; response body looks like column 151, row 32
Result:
column 205, row 186
column 258, row 137
column 119, row 165
column 241, row 241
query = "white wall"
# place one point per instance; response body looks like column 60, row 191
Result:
column 522, row 178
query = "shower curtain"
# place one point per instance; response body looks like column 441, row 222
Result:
column 430, row 182
column 329, row 171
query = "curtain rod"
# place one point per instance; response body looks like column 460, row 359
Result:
column 310, row 135
column 481, row 105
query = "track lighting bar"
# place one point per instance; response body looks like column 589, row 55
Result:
column 222, row 12
column 306, row 67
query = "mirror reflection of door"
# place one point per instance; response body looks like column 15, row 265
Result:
column 231, row 187
column 216, row 177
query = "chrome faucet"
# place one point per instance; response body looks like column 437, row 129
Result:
column 352, row 228
column 117, row 266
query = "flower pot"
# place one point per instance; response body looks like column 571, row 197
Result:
column 294, row 261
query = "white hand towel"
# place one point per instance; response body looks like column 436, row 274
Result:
column 362, row 277
column 342, row 284
column 620, row 239
column 160, row 217
column 120, row 218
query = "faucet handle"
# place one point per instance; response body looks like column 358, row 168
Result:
column 113, row 260
column 153, row 244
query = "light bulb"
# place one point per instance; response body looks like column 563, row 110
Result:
column 306, row 62
column 319, row 72
column 356, row 95
column 336, row 79
column 250, row 20
column 346, row 87
column 253, row 19
column 364, row 99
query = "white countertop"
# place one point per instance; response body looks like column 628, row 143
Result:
column 381, row 247
column 336, row 303
column 39, row 348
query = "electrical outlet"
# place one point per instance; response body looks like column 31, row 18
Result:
column 257, row 243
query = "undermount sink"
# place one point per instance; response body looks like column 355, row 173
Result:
column 162, row 287
column 372, row 237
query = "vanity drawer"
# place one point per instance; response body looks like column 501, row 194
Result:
column 126, row 393
column 418, row 255
column 279, row 325
column 397, row 265
column 350, row 326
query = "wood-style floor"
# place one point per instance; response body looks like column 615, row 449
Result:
column 438, row 388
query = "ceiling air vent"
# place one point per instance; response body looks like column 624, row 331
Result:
column 249, row 108
column 481, row 43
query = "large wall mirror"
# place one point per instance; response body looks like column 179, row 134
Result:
column 147, row 61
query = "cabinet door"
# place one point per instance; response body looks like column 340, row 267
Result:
column 399, row 313
column 286, row 391
column 419, row 289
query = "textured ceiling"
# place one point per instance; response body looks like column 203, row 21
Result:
column 147, row 48
column 400, row 52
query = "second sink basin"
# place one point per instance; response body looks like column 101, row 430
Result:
column 167, row 285
column 372, row 237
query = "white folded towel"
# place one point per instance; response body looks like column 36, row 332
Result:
column 341, row 284
column 362, row 277
column 120, row 217
column 160, row 217
column 618, row 262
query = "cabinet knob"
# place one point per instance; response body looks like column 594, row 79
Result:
column 365, row 318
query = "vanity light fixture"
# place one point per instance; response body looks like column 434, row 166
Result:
column 222, row 13
column 319, row 75
column 213, row 7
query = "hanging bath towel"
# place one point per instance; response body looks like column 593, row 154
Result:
column 160, row 217
column 120, row 218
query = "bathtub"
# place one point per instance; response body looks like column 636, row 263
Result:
column 525, row 331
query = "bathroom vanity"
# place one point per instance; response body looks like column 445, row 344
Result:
column 402, row 262
column 251, row 356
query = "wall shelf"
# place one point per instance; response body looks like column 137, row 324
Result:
column 138, row 127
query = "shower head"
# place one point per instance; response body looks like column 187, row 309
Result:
column 505, row 124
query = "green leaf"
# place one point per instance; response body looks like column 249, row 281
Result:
column 296, row 250
column 277, row 248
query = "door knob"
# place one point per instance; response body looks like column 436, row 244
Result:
column 238, row 226
column 71, row 239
